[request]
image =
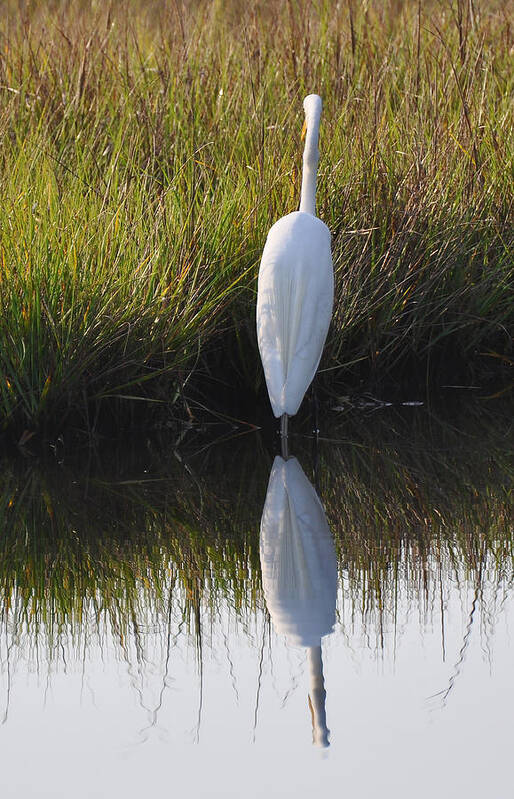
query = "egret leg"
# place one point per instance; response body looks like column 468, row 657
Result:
column 315, row 412
column 283, row 435
column 315, row 462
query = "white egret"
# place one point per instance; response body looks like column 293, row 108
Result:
column 296, row 288
column 299, row 573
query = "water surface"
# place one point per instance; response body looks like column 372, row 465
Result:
column 188, row 617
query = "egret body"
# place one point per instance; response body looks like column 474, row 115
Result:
column 296, row 288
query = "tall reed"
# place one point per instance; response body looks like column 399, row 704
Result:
column 146, row 148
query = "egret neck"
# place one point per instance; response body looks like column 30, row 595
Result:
column 312, row 106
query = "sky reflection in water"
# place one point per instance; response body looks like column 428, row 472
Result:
column 150, row 604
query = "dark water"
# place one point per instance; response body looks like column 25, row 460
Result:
column 185, row 617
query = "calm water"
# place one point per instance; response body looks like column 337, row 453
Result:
column 187, row 618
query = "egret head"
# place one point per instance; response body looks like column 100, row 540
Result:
column 312, row 105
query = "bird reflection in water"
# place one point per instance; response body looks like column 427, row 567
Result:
column 299, row 573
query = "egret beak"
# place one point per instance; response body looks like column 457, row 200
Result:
column 304, row 129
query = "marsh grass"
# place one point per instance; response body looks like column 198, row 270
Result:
column 146, row 148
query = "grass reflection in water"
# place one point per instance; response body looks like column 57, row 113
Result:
column 142, row 549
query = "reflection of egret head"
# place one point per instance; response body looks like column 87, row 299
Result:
column 299, row 573
column 317, row 696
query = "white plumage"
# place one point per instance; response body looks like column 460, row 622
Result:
column 296, row 288
column 299, row 573
column 298, row 560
